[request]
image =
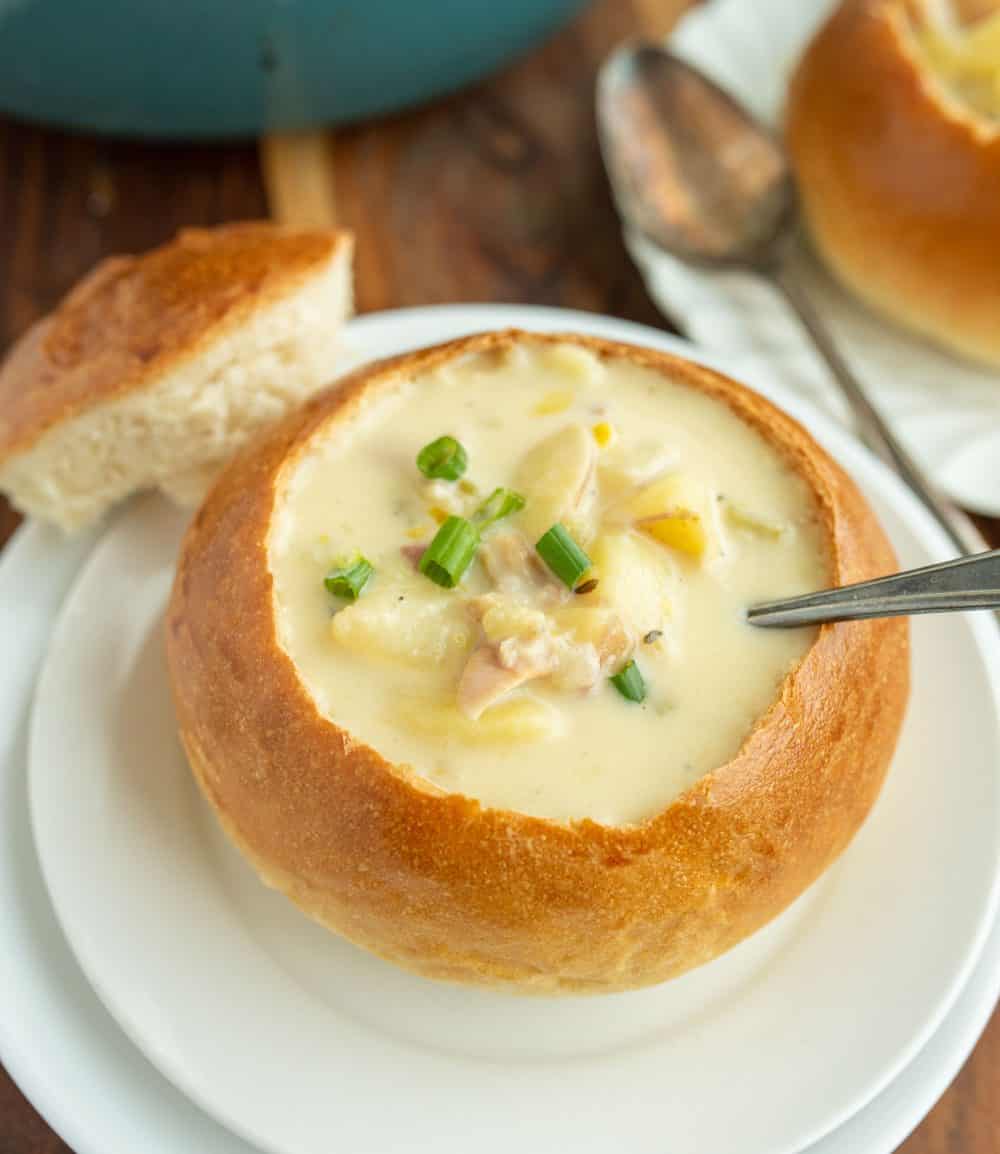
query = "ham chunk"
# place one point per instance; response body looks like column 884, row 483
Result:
column 487, row 680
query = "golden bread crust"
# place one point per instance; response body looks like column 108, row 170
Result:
column 900, row 184
column 439, row 884
column 134, row 317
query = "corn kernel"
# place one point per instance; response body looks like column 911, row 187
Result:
column 440, row 515
column 604, row 433
column 418, row 532
column 467, row 487
column 557, row 401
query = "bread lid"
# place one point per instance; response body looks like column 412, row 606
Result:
column 159, row 362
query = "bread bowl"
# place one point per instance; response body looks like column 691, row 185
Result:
column 156, row 367
column 893, row 125
column 300, row 730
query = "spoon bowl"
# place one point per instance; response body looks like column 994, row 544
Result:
column 688, row 167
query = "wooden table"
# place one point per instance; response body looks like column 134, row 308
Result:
column 494, row 195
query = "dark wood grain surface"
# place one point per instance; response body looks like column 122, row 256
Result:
column 494, row 195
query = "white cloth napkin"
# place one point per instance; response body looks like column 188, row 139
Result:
column 947, row 411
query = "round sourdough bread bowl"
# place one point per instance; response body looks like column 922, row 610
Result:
column 444, row 886
column 899, row 175
column 156, row 367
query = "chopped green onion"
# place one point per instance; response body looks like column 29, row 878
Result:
column 444, row 458
column 451, row 552
column 629, row 683
column 349, row 579
column 563, row 556
column 499, row 504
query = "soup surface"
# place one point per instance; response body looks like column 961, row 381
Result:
column 598, row 675
column 967, row 60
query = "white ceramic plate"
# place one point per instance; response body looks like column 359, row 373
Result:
column 945, row 409
column 790, row 1009
column 91, row 1084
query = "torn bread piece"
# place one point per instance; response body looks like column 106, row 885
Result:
column 156, row 368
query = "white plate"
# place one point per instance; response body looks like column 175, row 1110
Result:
column 549, row 1074
column 945, row 409
column 56, row 1040
column 92, row 1085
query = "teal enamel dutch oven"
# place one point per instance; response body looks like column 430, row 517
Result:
column 239, row 67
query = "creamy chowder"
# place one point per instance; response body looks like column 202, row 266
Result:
column 536, row 685
column 967, row 61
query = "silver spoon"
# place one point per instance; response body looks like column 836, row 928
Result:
column 965, row 583
column 693, row 172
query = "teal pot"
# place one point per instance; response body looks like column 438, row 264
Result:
column 190, row 68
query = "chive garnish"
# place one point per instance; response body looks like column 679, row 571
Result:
column 451, row 552
column 443, row 459
column 348, row 580
column 499, row 504
column 563, row 556
column 629, row 683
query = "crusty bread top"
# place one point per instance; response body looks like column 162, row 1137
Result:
column 133, row 317
column 900, row 182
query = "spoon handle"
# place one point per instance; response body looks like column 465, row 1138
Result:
column 965, row 583
column 870, row 424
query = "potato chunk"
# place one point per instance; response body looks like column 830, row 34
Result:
column 515, row 719
column 626, row 465
column 504, row 617
column 750, row 521
column 604, row 631
column 673, row 511
column 572, row 362
column 557, row 477
column 405, row 627
column 635, row 578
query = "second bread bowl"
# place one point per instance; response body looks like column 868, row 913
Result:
column 894, row 130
